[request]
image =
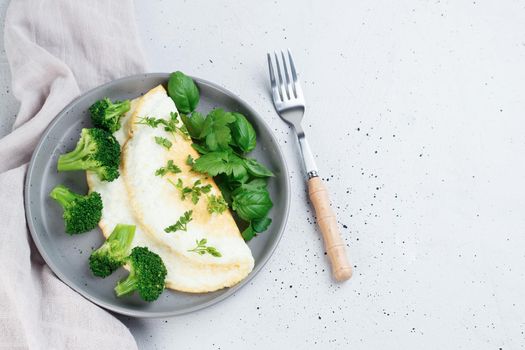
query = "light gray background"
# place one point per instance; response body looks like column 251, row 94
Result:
column 415, row 114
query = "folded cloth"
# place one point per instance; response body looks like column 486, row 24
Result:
column 56, row 49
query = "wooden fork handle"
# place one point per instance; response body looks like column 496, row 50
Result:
column 335, row 247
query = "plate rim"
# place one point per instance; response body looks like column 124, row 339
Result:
column 144, row 313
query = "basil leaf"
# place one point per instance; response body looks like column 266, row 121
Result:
column 248, row 233
column 194, row 124
column 243, row 134
column 255, row 227
column 256, row 169
column 251, row 204
column 261, row 225
column 183, row 91
column 256, row 183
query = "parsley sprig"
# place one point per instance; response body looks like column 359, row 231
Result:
column 181, row 224
column 169, row 168
column 171, row 125
column 149, row 121
column 216, row 204
column 195, row 191
column 164, row 142
column 202, row 249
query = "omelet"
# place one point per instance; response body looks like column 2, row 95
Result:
column 157, row 203
column 153, row 203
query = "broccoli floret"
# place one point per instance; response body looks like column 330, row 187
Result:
column 97, row 150
column 146, row 276
column 81, row 213
column 106, row 114
column 113, row 253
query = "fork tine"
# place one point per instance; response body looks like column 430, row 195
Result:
column 291, row 84
column 273, row 84
column 288, row 85
column 280, row 82
column 296, row 83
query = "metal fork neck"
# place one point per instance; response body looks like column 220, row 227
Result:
column 308, row 158
column 299, row 130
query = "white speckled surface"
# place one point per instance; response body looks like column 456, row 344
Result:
column 8, row 104
column 415, row 113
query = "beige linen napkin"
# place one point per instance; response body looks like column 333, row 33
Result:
column 56, row 49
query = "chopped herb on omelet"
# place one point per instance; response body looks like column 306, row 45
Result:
column 169, row 168
column 181, row 224
column 202, row 249
column 164, row 142
column 195, row 191
column 216, row 204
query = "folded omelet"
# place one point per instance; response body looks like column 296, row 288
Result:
column 153, row 203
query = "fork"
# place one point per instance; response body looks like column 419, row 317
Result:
column 289, row 103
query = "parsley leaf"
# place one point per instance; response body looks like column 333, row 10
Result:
column 195, row 191
column 199, row 148
column 202, row 249
column 218, row 139
column 181, row 224
column 183, row 190
column 164, row 142
column 213, row 163
column 169, row 168
column 172, row 125
column 216, row 204
column 239, row 173
column 215, row 130
column 221, row 162
column 149, row 121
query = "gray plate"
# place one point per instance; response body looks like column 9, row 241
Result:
column 67, row 255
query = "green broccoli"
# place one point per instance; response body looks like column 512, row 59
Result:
column 106, row 114
column 147, row 275
column 97, row 150
column 81, row 213
column 113, row 253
